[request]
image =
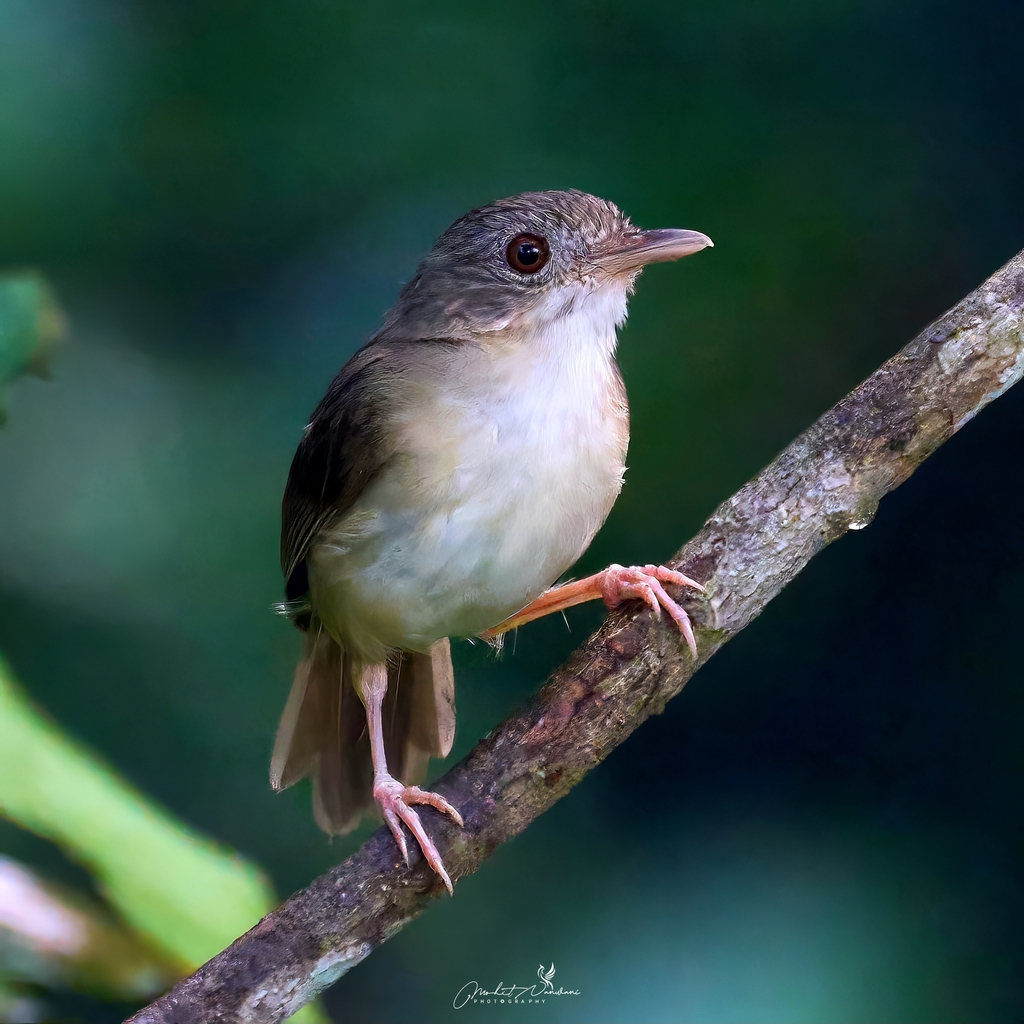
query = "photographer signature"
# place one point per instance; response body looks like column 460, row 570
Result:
column 471, row 992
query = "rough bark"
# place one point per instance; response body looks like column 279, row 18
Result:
column 828, row 481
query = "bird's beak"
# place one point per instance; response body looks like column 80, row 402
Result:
column 632, row 251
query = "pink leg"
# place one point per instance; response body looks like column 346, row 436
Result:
column 394, row 799
column 615, row 585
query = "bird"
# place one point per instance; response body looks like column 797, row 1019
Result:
column 458, row 465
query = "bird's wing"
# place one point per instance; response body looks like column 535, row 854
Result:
column 350, row 437
column 344, row 446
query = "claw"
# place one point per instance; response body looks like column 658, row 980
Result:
column 620, row 584
column 396, row 804
column 667, row 575
column 394, row 824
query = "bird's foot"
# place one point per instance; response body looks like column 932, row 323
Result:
column 616, row 584
column 396, row 804
column 644, row 582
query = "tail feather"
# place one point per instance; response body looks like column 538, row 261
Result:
column 433, row 699
column 323, row 727
column 343, row 770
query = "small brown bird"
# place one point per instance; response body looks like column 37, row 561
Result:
column 459, row 464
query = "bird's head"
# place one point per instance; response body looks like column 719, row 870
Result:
column 519, row 263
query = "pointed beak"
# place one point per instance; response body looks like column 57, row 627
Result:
column 634, row 250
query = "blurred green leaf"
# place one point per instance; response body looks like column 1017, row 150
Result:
column 190, row 896
column 51, row 935
column 31, row 323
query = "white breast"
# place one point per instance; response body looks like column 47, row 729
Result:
column 508, row 473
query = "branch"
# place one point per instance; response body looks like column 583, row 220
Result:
column 828, row 481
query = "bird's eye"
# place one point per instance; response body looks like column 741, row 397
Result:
column 526, row 254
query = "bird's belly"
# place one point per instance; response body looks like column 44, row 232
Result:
column 452, row 542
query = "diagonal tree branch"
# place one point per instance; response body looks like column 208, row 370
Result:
column 828, row 481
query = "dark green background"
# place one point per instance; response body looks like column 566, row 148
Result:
column 826, row 825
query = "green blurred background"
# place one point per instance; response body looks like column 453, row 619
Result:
column 826, row 825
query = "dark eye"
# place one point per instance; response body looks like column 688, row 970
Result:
column 527, row 253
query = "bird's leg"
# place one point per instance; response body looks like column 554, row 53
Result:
column 394, row 799
column 615, row 585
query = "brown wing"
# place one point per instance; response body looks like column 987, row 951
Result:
column 347, row 442
column 343, row 447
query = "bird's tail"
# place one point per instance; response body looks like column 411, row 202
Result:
column 323, row 730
